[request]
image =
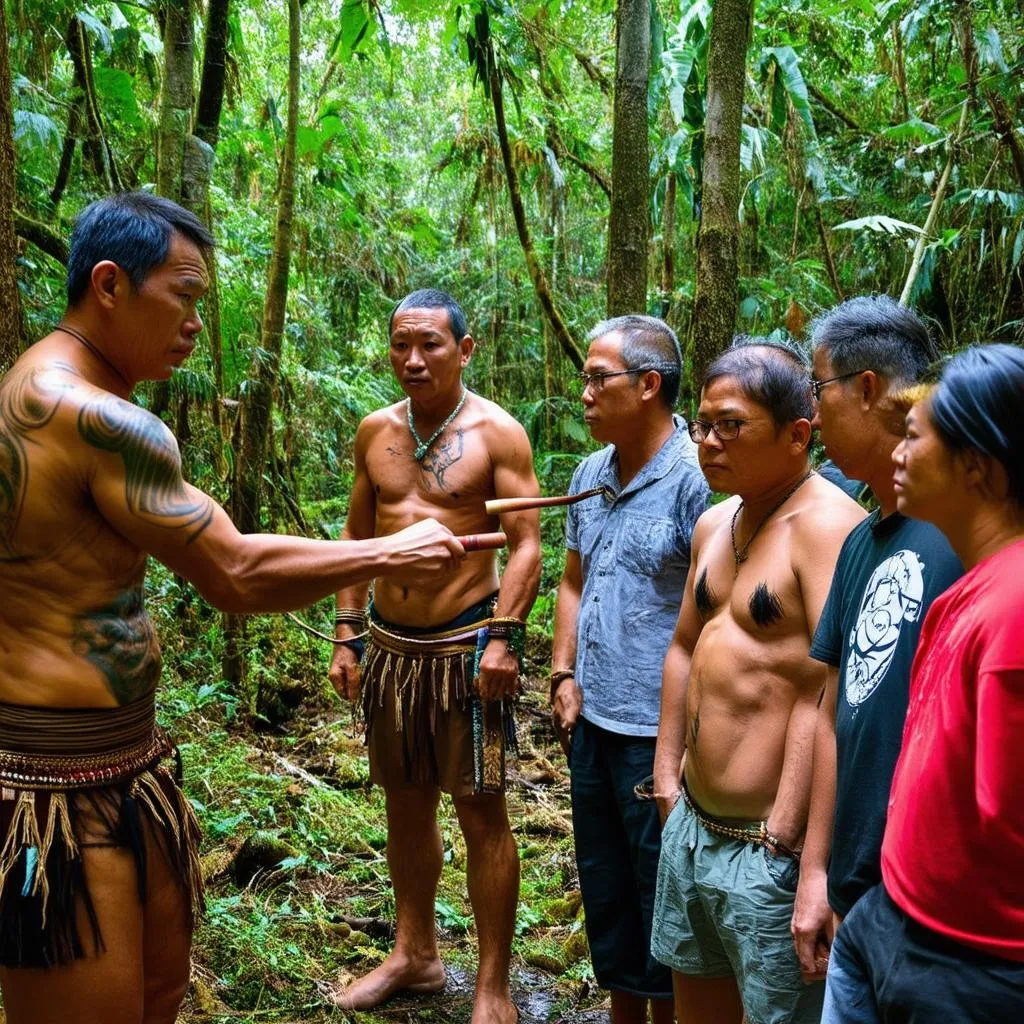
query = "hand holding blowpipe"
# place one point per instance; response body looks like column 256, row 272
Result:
column 482, row 541
column 499, row 506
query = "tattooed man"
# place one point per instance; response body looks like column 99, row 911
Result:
column 442, row 452
column 739, row 697
column 99, row 872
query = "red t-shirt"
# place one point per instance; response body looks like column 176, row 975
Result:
column 953, row 854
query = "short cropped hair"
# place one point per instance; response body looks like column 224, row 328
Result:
column 651, row 343
column 874, row 332
column 131, row 229
column 434, row 298
column 772, row 374
column 976, row 405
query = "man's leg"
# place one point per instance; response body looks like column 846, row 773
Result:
column 628, row 1008
column 492, row 872
column 167, row 939
column 702, row 1000
column 105, row 985
column 415, row 857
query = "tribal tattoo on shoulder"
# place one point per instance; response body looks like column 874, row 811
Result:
column 120, row 642
column 28, row 402
column 154, row 488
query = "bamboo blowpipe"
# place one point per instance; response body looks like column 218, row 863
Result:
column 482, row 541
column 499, row 506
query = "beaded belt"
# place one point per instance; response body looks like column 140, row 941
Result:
column 755, row 832
column 74, row 748
column 432, row 645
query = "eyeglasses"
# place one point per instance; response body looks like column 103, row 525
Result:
column 817, row 385
column 596, row 381
column 724, row 430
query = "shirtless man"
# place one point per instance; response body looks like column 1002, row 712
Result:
column 96, row 890
column 441, row 452
column 739, row 698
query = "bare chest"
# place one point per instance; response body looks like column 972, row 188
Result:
column 455, row 473
column 759, row 593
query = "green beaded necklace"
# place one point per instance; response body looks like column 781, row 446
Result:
column 422, row 447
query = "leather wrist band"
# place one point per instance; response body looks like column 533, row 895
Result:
column 557, row 677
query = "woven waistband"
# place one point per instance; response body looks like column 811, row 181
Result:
column 427, row 645
column 70, row 748
column 745, row 831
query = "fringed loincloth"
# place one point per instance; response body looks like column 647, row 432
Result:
column 59, row 767
column 413, row 681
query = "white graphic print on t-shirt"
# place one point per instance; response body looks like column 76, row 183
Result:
column 893, row 596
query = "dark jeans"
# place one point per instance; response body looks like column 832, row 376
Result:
column 618, row 840
column 885, row 968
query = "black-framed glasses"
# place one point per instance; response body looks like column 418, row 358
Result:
column 596, row 381
column 724, row 430
column 817, row 385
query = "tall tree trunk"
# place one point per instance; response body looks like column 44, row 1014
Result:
column 714, row 308
column 175, row 98
column 668, row 245
column 535, row 270
column 258, row 401
column 629, row 225
column 96, row 146
column 10, row 302
column 211, row 88
column 67, row 152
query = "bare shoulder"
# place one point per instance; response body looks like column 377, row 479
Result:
column 714, row 518
column 506, row 436
column 377, row 422
column 825, row 515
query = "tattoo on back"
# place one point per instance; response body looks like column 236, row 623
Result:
column 28, row 403
column 765, row 606
column 154, row 489
column 706, row 598
column 119, row 640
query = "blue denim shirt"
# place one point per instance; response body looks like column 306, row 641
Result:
column 635, row 554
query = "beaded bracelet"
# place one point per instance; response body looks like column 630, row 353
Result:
column 350, row 616
column 513, row 632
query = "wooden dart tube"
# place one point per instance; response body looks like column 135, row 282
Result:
column 483, row 541
column 499, row 506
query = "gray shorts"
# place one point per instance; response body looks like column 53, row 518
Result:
column 723, row 908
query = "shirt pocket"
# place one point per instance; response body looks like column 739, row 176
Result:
column 647, row 545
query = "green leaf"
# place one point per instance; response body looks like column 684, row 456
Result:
column 34, row 129
column 793, row 80
column 879, row 222
column 116, row 89
column 355, row 23
column 990, row 49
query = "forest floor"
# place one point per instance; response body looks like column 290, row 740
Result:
column 298, row 886
column 294, row 836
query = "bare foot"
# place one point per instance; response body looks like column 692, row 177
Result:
column 494, row 1009
column 396, row 974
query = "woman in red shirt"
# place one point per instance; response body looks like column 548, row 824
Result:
column 942, row 939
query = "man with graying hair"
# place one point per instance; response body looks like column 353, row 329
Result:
column 99, row 866
column 628, row 553
column 867, row 350
column 732, row 769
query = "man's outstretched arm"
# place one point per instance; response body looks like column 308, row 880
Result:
column 135, row 479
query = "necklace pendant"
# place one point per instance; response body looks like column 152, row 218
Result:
column 421, row 451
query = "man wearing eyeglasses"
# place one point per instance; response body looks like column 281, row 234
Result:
column 627, row 558
column 891, row 568
column 739, row 697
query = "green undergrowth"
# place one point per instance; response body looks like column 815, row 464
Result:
column 294, row 841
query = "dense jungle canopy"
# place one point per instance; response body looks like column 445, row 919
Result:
column 547, row 163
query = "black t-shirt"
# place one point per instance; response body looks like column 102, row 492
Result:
column 889, row 572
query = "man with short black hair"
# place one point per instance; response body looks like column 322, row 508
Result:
column 628, row 551
column 442, row 662
column 99, row 867
column 866, row 351
column 732, row 769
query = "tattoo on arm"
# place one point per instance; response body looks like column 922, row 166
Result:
column 120, row 641
column 154, row 488
column 27, row 403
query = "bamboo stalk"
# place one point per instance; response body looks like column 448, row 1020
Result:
column 499, row 506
